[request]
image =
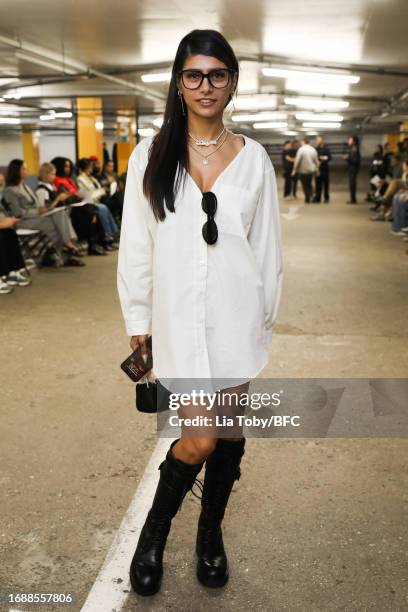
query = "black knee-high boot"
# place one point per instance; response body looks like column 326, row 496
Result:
column 176, row 479
column 221, row 470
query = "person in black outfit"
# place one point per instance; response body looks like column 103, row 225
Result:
column 115, row 202
column 12, row 266
column 294, row 147
column 353, row 158
column 287, row 165
column 387, row 160
column 323, row 176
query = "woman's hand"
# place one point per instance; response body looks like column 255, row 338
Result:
column 9, row 222
column 141, row 341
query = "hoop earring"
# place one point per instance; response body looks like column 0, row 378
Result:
column 183, row 112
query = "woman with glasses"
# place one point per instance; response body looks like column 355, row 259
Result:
column 200, row 270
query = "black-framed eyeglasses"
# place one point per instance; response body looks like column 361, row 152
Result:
column 209, row 206
column 218, row 78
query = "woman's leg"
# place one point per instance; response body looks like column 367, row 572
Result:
column 108, row 221
column 10, row 252
column 222, row 468
column 45, row 225
column 63, row 225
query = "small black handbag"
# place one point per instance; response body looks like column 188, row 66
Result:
column 152, row 397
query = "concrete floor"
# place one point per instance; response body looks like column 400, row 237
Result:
column 313, row 525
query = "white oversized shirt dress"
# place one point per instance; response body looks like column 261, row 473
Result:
column 209, row 308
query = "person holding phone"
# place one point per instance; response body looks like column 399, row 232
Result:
column 200, row 271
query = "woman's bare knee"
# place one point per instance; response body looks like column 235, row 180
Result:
column 194, row 450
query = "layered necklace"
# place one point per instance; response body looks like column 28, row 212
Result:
column 206, row 143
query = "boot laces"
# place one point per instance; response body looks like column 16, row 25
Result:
column 200, row 486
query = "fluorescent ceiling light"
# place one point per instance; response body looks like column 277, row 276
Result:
column 291, row 133
column 6, row 81
column 317, row 117
column 12, row 96
column 54, row 115
column 9, row 120
column 256, row 102
column 317, row 87
column 315, row 76
column 158, row 122
column 2, row 100
column 259, row 116
column 271, row 125
column 317, row 124
column 317, row 103
column 156, row 77
column 58, row 67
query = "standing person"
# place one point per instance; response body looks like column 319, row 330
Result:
column 295, row 177
column 287, row 164
column 106, row 156
column 306, row 165
column 200, row 269
column 353, row 158
column 322, row 179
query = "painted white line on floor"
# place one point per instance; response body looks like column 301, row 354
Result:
column 112, row 582
column 292, row 214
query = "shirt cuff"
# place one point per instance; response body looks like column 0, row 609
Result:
column 138, row 328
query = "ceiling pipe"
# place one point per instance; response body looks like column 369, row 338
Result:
column 81, row 67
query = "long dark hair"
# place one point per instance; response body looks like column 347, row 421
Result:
column 59, row 163
column 169, row 146
column 13, row 174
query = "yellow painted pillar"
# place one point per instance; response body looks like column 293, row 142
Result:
column 125, row 137
column 31, row 149
column 89, row 124
column 392, row 140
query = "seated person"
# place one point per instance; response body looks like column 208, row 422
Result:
column 107, row 178
column 91, row 190
column 20, row 201
column 93, row 234
column 115, row 202
column 12, row 268
column 395, row 186
column 400, row 214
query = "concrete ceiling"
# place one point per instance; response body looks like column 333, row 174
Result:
column 55, row 51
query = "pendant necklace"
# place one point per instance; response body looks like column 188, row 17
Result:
column 205, row 157
column 204, row 142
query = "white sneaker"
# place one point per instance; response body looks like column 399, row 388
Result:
column 394, row 233
column 5, row 287
column 30, row 264
column 16, row 278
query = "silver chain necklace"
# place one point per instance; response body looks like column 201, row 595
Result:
column 205, row 157
column 202, row 142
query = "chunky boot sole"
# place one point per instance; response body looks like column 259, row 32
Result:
column 212, row 582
